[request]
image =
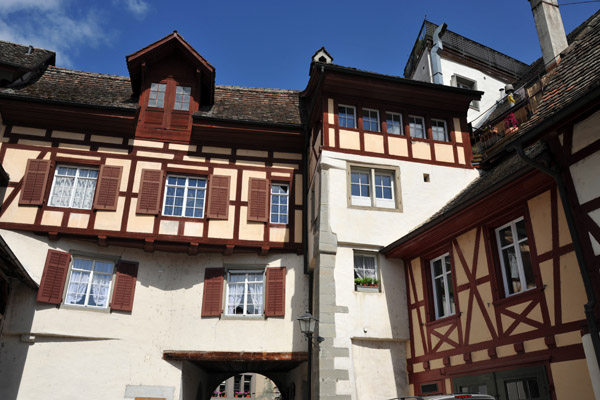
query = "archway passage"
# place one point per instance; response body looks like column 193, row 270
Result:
column 247, row 386
column 204, row 371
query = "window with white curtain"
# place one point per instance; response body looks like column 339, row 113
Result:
column 73, row 187
column 245, row 292
column 365, row 266
column 515, row 257
column 90, row 282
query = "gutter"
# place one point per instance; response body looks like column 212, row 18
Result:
column 197, row 116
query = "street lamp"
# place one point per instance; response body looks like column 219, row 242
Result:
column 307, row 324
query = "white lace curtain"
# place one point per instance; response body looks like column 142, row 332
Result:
column 256, row 294
column 364, row 267
column 236, row 297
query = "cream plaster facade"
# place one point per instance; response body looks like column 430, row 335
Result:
column 364, row 352
column 127, row 348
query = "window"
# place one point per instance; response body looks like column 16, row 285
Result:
column 394, row 123
column 73, row 187
column 513, row 250
column 184, row 196
column 182, row 98
column 372, row 188
column 439, row 130
column 370, row 120
column 90, row 282
column 417, row 127
column 365, row 270
column 464, row 83
column 242, row 386
column 157, row 95
column 221, row 390
column 347, row 116
column 443, row 291
column 279, row 203
column 245, row 292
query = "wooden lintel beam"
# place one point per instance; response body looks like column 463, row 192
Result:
column 223, row 356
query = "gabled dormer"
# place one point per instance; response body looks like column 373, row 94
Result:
column 172, row 80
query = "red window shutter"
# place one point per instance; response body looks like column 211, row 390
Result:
column 275, row 292
column 54, row 277
column 150, row 189
column 218, row 197
column 124, row 286
column 258, row 200
column 107, row 191
column 34, row 182
column 212, row 297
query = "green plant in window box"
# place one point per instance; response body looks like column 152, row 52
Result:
column 366, row 282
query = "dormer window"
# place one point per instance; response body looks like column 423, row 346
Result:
column 182, row 98
column 157, row 95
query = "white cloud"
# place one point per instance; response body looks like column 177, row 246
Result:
column 138, row 7
column 52, row 25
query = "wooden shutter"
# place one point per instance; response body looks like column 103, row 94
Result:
column 107, row 190
column 275, row 292
column 34, row 182
column 54, row 277
column 212, row 297
column 258, row 200
column 218, row 197
column 150, row 189
column 124, row 286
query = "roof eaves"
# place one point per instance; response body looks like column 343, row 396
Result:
column 197, row 115
column 67, row 103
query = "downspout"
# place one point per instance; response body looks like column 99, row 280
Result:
column 587, row 281
column 436, row 62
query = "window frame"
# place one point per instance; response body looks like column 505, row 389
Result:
column 372, row 201
column 456, row 80
column 185, row 197
column 187, row 96
column 423, row 124
column 448, row 284
column 246, row 270
column 287, row 197
column 94, row 259
column 434, row 121
column 500, row 259
column 377, row 274
column 75, row 180
column 345, row 118
column 377, row 120
column 163, row 98
column 387, row 126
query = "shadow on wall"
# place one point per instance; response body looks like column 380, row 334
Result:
column 399, row 359
column 14, row 342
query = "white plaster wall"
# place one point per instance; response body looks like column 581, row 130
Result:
column 423, row 70
column 110, row 350
column 419, row 199
column 485, row 83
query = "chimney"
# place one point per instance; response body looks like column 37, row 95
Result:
column 550, row 30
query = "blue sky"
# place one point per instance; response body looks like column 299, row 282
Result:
column 269, row 43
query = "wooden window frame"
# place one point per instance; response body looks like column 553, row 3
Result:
column 71, row 197
column 423, row 124
column 246, row 271
column 378, row 121
column 375, row 256
column 355, row 116
column 447, row 285
column 375, row 202
column 185, row 197
column 94, row 259
column 387, row 128
column 287, row 196
column 446, row 132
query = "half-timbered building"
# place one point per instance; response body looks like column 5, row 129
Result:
column 384, row 153
column 162, row 216
column 503, row 280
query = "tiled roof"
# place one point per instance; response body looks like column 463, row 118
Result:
column 271, row 106
column 274, row 106
column 504, row 172
column 577, row 74
column 77, row 87
column 16, row 55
